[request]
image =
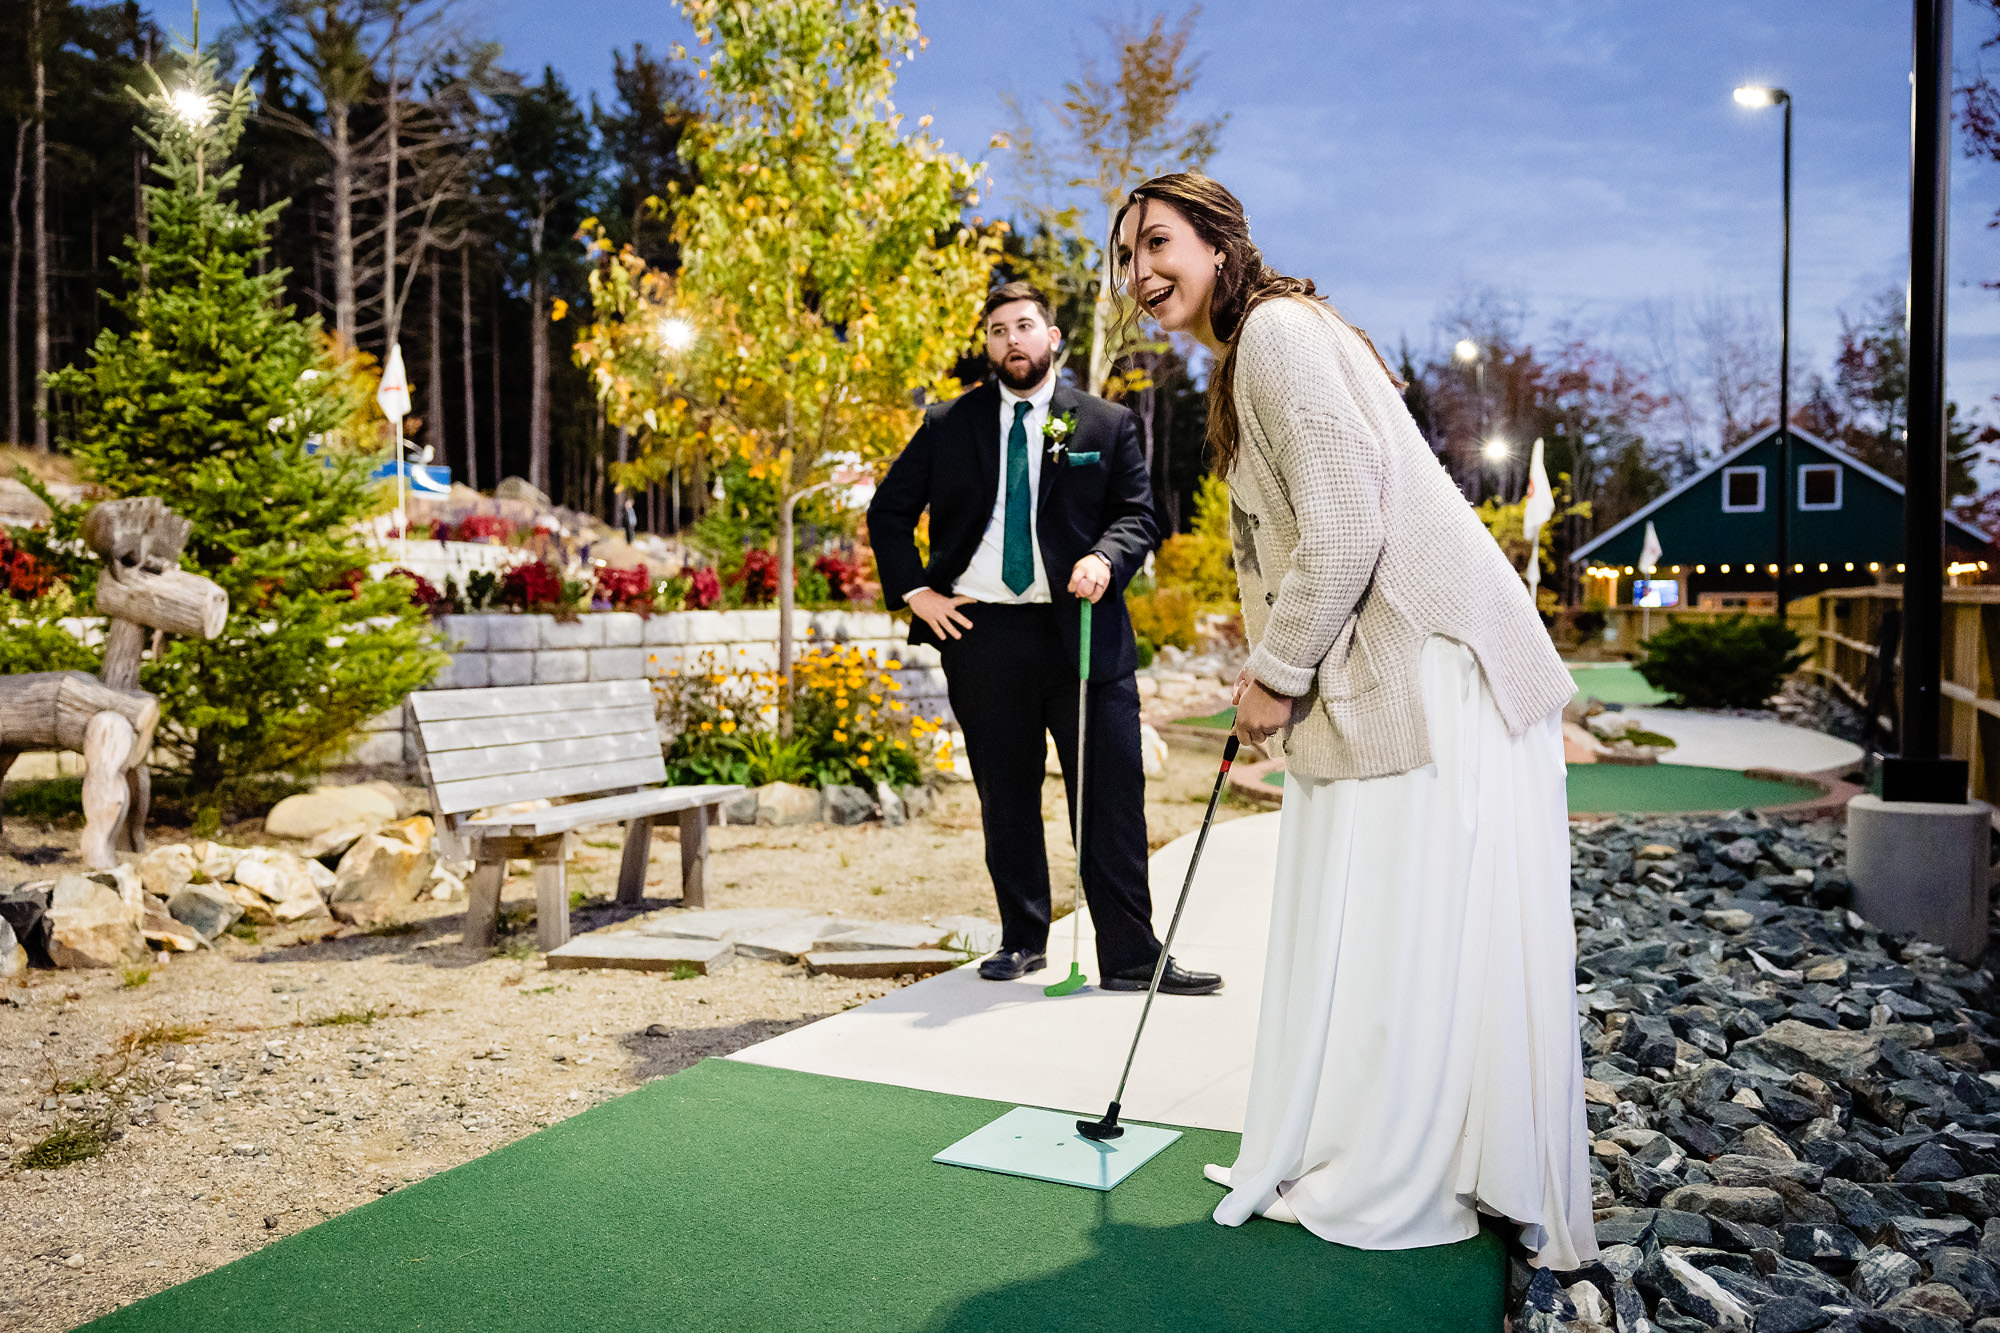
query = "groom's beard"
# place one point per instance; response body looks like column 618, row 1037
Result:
column 1019, row 380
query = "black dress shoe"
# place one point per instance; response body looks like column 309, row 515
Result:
column 1176, row 980
column 1009, row 964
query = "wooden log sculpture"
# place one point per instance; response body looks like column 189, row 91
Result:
column 107, row 717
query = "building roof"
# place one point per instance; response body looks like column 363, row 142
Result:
column 1964, row 533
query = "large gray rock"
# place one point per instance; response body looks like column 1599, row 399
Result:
column 13, row 957
column 163, row 931
column 206, row 909
column 848, row 806
column 1732, row 1204
column 322, row 810
column 90, row 926
column 1883, row 1273
column 917, row 801
column 893, row 813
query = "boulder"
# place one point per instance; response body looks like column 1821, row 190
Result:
column 213, row 860
column 165, row 869
column 378, row 874
column 848, row 806
column 1725, row 1203
column 1830, row 1054
column 26, row 912
column 206, row 909
column 917, row 801
column 1883, row 1273
column 162, row 931
column 13, row 957
column 1152, row 750
column 893, row 813
column 272, row 873
column 90, row 926
column 123, row 880
column 1932, row 1298
column 781, row 804
column 322, row 810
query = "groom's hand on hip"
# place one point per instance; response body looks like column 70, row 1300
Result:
column 940, row 612
column 1091, row 577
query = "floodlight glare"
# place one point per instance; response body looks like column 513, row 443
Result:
column 1752, row 95
column 190, row 107
column 1495, row 450
column 676, row 333
column 1466, row 350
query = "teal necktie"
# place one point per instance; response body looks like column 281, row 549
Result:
column 1017, row 554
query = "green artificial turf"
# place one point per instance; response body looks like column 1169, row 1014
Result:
column 734, row 1197
column 1664, row 788
column 1221, row 721
column 1615, row 685
column 1638, row 789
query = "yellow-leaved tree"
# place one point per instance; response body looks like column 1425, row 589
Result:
column 828, row 279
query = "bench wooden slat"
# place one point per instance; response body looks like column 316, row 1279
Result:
column 537, row 756
column 604, row 810
column 516, row 700
column 479, row 733
column 471, row 794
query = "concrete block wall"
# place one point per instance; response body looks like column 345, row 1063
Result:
column 505, row 649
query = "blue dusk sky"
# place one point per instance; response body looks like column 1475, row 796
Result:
column 1582, row 157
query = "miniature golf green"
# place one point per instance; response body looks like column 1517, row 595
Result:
column 1658, row 789
column 731, row 1196
column 1620, row 684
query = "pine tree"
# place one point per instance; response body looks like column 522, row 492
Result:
column 244, row 419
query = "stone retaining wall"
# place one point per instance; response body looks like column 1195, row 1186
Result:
column 505, row 649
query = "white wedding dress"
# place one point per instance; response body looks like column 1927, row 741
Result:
column 1417, row 1059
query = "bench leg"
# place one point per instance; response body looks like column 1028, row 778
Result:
column 551, row 896
column 632, row 871
column 482, row 902
column 694, row 856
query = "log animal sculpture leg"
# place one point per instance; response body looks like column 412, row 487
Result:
column 139, row 787
column 7, row 758
column 107, row 748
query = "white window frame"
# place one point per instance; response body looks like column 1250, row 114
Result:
column 1757, row 508
column 1839, row 484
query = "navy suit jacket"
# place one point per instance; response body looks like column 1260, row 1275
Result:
column 951, row 466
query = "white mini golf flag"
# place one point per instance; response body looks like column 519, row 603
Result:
column 1539, row 505
column 1649, row 553
column 393, row 395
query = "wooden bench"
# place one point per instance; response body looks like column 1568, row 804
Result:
column 484, row 749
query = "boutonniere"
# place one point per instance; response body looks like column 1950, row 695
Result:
column 1057, row 432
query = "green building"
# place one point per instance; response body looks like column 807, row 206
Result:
column 1718, row 530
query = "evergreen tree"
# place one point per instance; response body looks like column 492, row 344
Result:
column 240, row 417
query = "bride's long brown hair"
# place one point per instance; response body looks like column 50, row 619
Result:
column 1243, row 283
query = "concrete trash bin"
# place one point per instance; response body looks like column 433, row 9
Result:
column 1922, row 867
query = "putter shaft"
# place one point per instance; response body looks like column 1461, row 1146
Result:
column 1173, row 926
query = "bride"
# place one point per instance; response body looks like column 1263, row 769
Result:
column 1417, row 1059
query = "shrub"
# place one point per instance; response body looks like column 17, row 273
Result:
column 490, row 528
column 843, row 580
column 704, row 588
column 423, row 592
column 757, row 577
column 1737, row 662
column 1164, row 615
column 21, row 575
column 1200, row 560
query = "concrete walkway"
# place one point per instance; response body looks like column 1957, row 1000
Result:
column 1716, row 740
column 956, row 1033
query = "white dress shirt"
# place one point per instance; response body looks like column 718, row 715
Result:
column 981, row 579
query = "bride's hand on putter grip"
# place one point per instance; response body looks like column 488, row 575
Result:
column 1259, row 713
column 940, row 612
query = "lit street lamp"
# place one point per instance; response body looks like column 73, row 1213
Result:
column 1752, row 95
column 1467, row 351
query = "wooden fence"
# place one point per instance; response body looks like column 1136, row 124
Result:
column 1848, row 628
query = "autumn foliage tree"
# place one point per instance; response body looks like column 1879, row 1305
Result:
column 827, row 280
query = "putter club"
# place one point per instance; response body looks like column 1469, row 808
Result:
column 1108, row 1127
column 1075, row 980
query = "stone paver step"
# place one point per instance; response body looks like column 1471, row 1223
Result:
column 643, row 953
column 882, row 962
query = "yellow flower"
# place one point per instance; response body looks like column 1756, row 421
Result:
column 867, row 745
column 895, row 708
column 728, row 727
column 874, row 698
column 708, row 726
column 840, row 735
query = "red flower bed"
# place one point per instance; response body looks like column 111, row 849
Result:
column 423, row 592
column 626, row 589
column 704, row 589
column 483, row 528
column 842, row 579
column 21, row 575
column 525, row 587
column 758, row 575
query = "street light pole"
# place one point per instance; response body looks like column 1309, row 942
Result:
column 1757, row 96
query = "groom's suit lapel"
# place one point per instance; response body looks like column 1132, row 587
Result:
column 1065, row 399
column 984, row 404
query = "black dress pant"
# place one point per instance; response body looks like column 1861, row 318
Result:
column 1011, row 680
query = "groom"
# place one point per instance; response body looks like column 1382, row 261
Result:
column 1038, row 496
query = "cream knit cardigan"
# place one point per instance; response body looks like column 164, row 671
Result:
column 1353, row 548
